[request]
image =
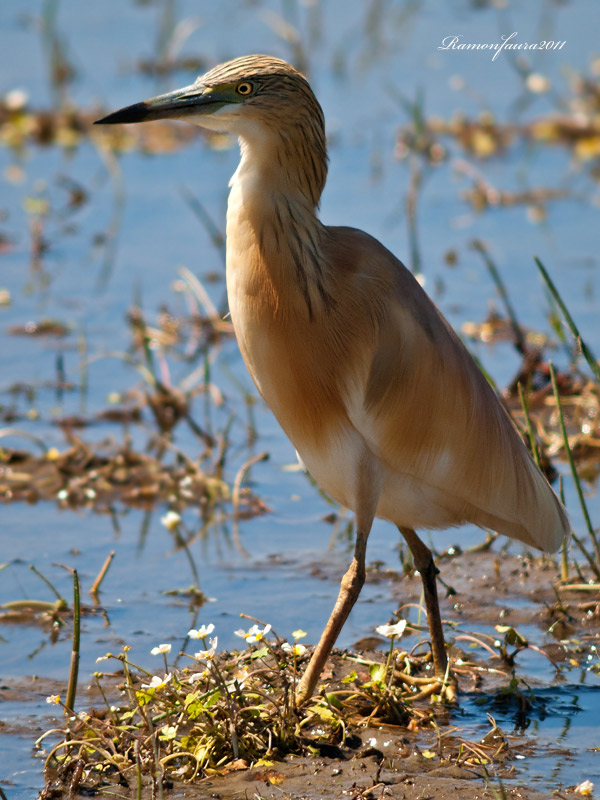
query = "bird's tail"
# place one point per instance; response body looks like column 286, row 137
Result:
column 542, row 520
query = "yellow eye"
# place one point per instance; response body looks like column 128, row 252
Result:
column 244, row 88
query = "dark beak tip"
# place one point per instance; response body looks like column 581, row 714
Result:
column 109, row 119
column 135, row 113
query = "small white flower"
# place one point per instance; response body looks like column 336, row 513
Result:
column 54, row 699
column 255, row 634
column 162, row 648
column 157, row 682
column 198, row 676
column 585, row 788
column 299, row 634
column 171, row 520
column 392, row 630
column 202, row 632
column 295, row 649
column 63, row 494
column 208, row 655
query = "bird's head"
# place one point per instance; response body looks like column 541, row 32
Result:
column 243, row 96
column 264, row 101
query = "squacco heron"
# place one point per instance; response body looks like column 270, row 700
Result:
column 383, row 403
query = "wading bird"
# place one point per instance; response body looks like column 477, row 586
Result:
column 383, row 403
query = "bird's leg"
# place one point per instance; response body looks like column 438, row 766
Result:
column 423, row 560
column 350, row 587
column 368, row 488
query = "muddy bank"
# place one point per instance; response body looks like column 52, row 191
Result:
column 342, row 744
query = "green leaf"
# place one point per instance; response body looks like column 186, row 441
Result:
column 144, row 697
column 197, row 704
column 377, row 672
column 323, row 712
column 334, row 700
column 512, row 636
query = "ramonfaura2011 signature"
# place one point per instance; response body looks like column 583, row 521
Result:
column 507, row 43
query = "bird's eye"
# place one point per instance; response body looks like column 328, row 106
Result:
column 244, row 88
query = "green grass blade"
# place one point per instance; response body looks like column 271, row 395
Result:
column 520, row 342
column 530, row 434
column 594, row 563
column 74, row 670
column 585, row 350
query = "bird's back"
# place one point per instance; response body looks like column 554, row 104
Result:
column 450, row 452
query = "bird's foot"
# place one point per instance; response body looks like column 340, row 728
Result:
column 443, row 688
column 440, row 688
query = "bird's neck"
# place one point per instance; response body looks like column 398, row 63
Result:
column 272, row 225
column 284, row 164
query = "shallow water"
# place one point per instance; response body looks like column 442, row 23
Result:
column 360, row 57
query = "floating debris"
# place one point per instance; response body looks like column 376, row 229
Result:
column 99, row 476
